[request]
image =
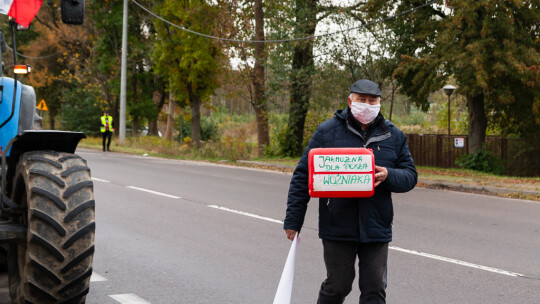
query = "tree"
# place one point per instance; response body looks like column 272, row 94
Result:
column 57, row 53
column 106, row 60
column 307, row 14
column 249, row 22
column 258, row 80
column 190, row 62
column 301, row 75
column 158, row 97
column 365, row 54
column 490, row 48
column 146, row 87
column 80, row 112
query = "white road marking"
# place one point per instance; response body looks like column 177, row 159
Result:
column 129, row 298
column 154, row 192
column 246, row 214
column 97, row 278
column 100, row 180
column 414, row 252
column 458, row 262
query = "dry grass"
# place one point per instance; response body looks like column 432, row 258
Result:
column 225, row 148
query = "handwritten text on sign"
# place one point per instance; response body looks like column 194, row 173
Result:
column 343, row 182
column 342, row 163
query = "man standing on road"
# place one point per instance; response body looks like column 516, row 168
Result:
column 107, row 128
column 351, row 227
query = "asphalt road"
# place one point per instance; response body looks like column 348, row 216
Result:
column 183, row 232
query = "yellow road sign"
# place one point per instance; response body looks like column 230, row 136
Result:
column 42, row 105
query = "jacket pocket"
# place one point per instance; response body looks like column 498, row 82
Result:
column 385, row 153
column 380, row 215
column 339, row 209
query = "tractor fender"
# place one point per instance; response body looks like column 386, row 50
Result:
column 34, row 140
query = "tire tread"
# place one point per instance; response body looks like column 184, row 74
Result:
column 49, row 220
column 60, row 247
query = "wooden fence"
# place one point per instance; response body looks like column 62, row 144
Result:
column 521, row 158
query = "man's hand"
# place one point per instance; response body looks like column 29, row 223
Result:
column 380, row 175
column 290, row 234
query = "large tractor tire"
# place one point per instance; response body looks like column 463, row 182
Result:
column 54, row 263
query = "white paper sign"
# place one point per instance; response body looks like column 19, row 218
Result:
column 342, row 163
column 284, row 290
column 459, row 142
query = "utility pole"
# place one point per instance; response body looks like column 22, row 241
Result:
column 123, row 75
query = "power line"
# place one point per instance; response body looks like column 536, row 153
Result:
column 257, row 41
column 40, row 57
column 285, row 40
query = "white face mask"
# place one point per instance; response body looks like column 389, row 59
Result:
column 365, row 113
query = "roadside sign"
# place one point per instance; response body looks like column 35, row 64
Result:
column 459, row 142
column 42, row 105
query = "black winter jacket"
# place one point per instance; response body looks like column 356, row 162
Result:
column 355, row 219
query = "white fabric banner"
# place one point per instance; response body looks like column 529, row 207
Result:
column 284, row 290
column 4, row 6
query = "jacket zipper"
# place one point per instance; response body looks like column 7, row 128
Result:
column 378, row 138
column 373, row 139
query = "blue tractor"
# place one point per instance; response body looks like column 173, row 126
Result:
column 47, row 208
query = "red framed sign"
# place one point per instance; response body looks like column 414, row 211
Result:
column 341, row 172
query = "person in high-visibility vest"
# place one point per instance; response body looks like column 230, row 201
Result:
column 107, row 128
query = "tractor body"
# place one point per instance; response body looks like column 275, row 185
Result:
column 47, row 208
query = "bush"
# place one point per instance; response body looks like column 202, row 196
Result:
column 209, row 129
column 229, row 148
column 81, row 112
column 483, row 161
column 278, row 130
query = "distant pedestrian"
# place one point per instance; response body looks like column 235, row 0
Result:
column 107, row 128
column 351, row 227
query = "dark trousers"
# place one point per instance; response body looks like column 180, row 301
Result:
column 340, row 257
column 106, row 135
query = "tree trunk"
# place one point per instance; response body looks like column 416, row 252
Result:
column 263, row 131
column 392, row 100
column 153, row 128
column 135, row 126
column 52, row 115
column 258, row 80
column 195, row 104
column 159, row 99
column 301, row 76
column 477, row 122
column 170, row 117
column 135, row 120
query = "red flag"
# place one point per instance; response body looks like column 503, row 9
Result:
column 24, row 11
